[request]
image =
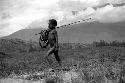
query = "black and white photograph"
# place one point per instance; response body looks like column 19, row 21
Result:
column 62, row 41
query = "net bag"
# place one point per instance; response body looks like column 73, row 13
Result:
column 43, row 40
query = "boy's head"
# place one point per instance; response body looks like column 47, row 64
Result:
column 52, row 23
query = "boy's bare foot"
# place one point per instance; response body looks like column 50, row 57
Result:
column 60, row 63
column 48, row 60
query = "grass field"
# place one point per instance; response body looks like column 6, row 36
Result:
column 93, row 64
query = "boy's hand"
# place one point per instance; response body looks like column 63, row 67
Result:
column 47, row 54
column 56, row 48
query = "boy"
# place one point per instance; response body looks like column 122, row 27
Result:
column 53, row 40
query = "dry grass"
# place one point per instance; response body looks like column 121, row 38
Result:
column 81, row 65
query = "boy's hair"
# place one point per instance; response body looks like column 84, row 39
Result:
column 53, row 21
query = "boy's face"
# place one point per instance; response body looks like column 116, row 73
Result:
column 51, row 25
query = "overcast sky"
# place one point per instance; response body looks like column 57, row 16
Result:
column 18, row 14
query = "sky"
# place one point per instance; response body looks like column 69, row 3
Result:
column 20, row 14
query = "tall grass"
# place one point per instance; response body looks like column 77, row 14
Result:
column 98, row 64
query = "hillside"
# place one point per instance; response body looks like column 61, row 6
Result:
column 82, row 32
column 24, row 60
column 89, row 64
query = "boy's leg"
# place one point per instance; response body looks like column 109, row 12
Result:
column 49, row 52
column 48, row 60
column 57, row 57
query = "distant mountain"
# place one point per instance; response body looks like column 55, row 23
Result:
column 114, row 5
column 25, row 34
column 82, row 32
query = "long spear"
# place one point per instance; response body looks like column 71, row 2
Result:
column 73, row 23
column 66, row 25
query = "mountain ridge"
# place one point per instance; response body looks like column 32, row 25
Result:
column 81, row 32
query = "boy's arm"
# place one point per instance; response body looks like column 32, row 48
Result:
column 38, row 33
column 41, row 31
column 55, row 46
column 56, row 43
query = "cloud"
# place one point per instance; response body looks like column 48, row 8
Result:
column 110, row 14
column 105, row 12
column 77, row 4
column 81, row 4
column 111, row 1
column 23, row 13
column 18, row 14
